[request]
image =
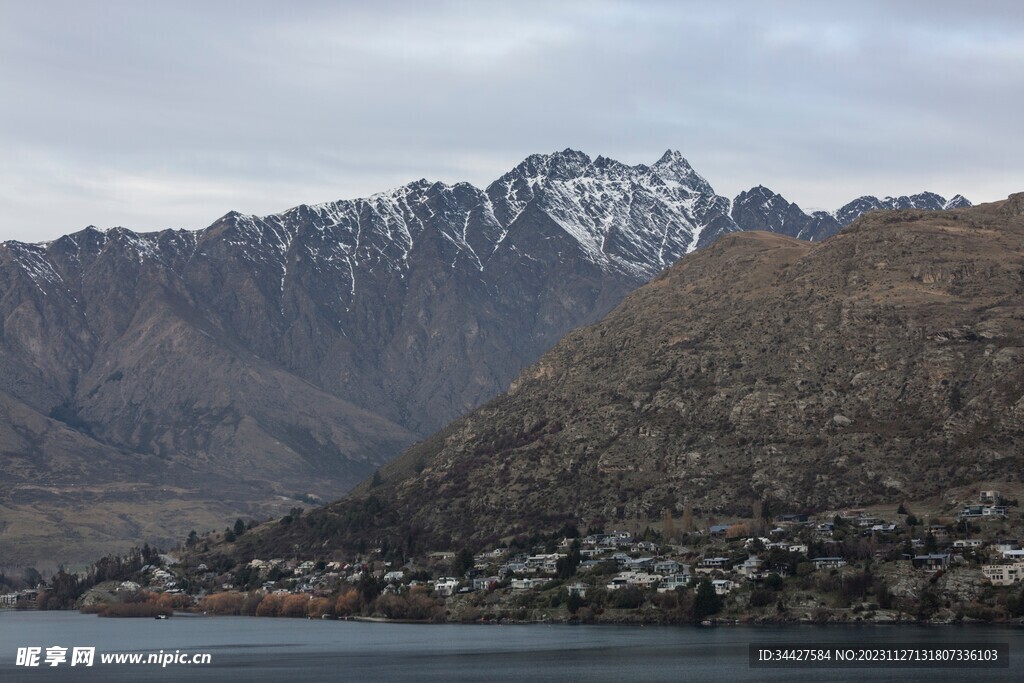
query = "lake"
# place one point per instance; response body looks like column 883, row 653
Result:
column 262, row 649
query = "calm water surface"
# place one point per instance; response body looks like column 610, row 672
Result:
column 252, row 649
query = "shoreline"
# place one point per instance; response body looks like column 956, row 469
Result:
column 712, row 623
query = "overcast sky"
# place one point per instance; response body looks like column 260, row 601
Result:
column 152, row 115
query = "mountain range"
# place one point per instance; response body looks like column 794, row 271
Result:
column 883, row 365
column 153, row 383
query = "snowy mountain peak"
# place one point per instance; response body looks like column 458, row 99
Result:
column 957, row 202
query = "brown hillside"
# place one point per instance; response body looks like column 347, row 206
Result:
column 886, row 363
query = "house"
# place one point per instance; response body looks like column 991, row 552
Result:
column 1003, row 574
column 828, row 562
column 722, row 586
column 968, row 543
column 577, row 588
column 932, row 562
column 1003, row 545
column 9, row 600
column 485, row 583
column 513, row 568
column 710, row 564
column 446, row 586
column 990, row 496
column 718, row 529
column 394, row 576
column 621, row 559
column 625, row 579
column 673, row 582
column 1013, row 554
column 527, row 584
column 128, row 586
column 640, row 563
column 798, row 548
column 541, row 561
column 983, row 511
column 666, row 567
column 751, row 567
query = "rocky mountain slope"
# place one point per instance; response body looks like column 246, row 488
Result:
column 884, row 364
column 234, row 370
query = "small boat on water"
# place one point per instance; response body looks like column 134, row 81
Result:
column 160, row 616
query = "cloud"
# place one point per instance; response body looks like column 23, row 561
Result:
column 151, row 116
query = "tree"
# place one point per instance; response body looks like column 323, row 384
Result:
column 688, row 525
column 668, row 527
column 707, row 601
column 239, row 527
column 566, row 566
column 574, row 602
column 32, row 577
column 193, row 538
column 463, row 562
column 902, row 510
column 229, row 536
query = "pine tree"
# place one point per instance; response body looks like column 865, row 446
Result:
column 707, row 601
column 688, row 526
column 668, row 526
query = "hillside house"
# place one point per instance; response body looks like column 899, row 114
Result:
column 666, row 567
column 932, row 562
column 673, row 582
column 710, row 564
column 485, row 583
column 577, row 588
column 1003, row 574
column 751, row 568
column 828, row 562
column 991, row 496
column 445, row 586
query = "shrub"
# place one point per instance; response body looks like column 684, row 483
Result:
column 223, row 603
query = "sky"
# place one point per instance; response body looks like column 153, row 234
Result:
column 169, row 115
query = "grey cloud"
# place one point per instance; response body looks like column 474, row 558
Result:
column 156, row 116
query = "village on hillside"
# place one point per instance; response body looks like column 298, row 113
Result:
column 853, row 565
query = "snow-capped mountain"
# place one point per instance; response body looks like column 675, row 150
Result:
column 761, row 209
column 296, row 352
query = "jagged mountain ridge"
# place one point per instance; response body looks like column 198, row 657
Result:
column 297, row 352
column 882, row 365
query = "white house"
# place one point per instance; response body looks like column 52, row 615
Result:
column 671, row 583
column 445, row 586
column 828, row 562
column 577, row 588
column 1003, row 574
column 722, row 586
